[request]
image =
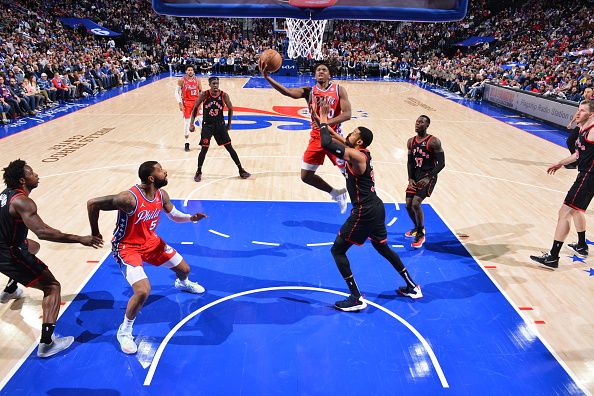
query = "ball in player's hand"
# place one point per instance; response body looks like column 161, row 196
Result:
column 270, row 60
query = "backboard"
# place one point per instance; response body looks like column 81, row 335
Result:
column 395, row 10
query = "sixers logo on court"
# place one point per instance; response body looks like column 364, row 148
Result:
column 285, row 118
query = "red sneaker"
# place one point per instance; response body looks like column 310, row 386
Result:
column 419, row 241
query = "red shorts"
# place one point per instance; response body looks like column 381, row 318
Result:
column 188, row 109
column 135, row 256
column 314, row 153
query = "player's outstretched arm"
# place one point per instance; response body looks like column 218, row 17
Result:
column 295, row 93
column 554, row 168
column 177, row 216
column 26, row 209
column 124, row 201
column 338, row 147
column 197, row 104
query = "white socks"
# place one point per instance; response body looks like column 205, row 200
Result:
column 335, row 193
column 187, row 129
column 127, row 324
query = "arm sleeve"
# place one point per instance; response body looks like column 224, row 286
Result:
column 178, row 94
column 178, row 217
column 440, row 164
column 410, row 166
column 330, row 145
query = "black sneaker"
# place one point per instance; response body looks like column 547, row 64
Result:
column 412, row 292
column 244, row 174
column 547, row 260
column 198, row 176
column 352, row 303
column 582, row 250
column 187, row 147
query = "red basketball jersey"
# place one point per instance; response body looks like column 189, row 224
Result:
column 190, row 89
column 138, row 227
column 316, row 96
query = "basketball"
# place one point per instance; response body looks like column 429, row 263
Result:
column 272, row 59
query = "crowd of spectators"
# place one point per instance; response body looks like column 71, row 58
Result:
column 42, row 62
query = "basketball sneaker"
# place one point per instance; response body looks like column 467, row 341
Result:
column 341, row 199
column 244, row 174
column 351, row 304
column 189, row 286
column 187, row 147
column 582, row 250
column 198, row 176
column 58, row 344
column 547, row 260
column 412, row 292
column 6, row 297
column 419, row 241
column 126, row 341
column 412, row 233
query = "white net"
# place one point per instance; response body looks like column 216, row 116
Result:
column 305, row 37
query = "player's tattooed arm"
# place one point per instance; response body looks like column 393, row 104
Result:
column 124, row 201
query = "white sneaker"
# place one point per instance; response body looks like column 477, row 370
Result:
column 126, row 341
column 6, row 297
column 410, row 292
column 189, row 286
column 58, row 344
column 341, row 199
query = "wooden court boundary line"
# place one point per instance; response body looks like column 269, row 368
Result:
column 153, row 367
column 26, row 355
column 529, row 324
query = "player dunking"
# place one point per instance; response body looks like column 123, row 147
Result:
column 367, row 219
column 340, row 111
column 135, row 241
column 581, row 192
column 18, row 214
column 213, row 124
column 425, row 160
column 187, row 91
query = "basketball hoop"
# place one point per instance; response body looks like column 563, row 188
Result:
column 306, row 35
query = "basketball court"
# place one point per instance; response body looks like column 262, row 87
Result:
column 490, row 319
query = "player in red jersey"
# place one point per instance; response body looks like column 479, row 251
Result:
column 187, row 91
column 340, row 111
column 135, row 241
